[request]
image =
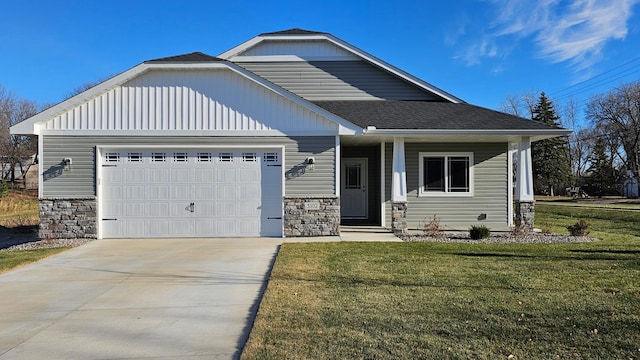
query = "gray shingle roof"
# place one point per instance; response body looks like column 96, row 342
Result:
column 191, row 57
column 395, row 114
column 294, row 31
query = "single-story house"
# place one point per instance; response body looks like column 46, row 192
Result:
column 291, row 133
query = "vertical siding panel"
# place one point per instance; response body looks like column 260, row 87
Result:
column 148, row 105
column 206, row 100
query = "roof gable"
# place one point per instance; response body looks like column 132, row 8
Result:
column 189, row 96
column 272, row 47
column 186, row 58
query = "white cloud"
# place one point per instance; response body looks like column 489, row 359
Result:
column 575, row 30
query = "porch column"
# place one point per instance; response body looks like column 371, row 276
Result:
column 398, row 188
column 524, row 184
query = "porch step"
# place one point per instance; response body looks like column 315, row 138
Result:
column 363, row 229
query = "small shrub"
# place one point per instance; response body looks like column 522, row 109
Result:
column 581, row 228
column 432, row 228
column 478, row 232
column 4, row 188
column 520, row 229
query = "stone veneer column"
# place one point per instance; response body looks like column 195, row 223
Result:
column 311, row 216
column 67, row 218
column 525, row 213
column 525, row 200
column 399, row 217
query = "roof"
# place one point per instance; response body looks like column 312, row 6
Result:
column 294, row 31
column 414, row 115
column 191, row 57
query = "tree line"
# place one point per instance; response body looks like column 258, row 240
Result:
column 599, row 155
column 15, row 150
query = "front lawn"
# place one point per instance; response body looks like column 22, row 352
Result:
column 13, row 259
column 438, row 300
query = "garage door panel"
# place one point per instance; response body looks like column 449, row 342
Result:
column 225, row 192
column 135, row 192
column 150, row 194
column 132, row 228
column 157, row 176
column 181, row 227
column 156, row 228
column 134, row 209
column 181, row 192
column 159, row 209
column 158, row 192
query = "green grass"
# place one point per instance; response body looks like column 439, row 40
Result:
column 12, row 259
column 458, row 301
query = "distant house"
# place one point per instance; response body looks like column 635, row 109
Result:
column 290, row 133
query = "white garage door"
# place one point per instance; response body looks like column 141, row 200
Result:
column 191, row 193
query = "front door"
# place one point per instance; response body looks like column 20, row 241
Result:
column 354, row 191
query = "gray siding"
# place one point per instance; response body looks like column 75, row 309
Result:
column 490, row 188
column 337, row 80
column 80, row 181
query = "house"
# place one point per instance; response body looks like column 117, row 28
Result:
column 288, row 134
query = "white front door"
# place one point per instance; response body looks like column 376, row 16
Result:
column 354, row 191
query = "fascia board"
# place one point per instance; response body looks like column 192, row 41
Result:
column 411, row 132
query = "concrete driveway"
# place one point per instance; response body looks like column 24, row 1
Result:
column 136, row 299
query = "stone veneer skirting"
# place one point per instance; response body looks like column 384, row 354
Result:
column 67, row 218
column 399, row 217
column 311, row 216
column 525, row 213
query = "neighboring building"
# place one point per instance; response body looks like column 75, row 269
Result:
column 288, row 134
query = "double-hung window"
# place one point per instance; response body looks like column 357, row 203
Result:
column 446, row 174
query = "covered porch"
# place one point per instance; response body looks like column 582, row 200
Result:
column 380, row 174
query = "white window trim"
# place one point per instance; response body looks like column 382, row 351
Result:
column 422, row 193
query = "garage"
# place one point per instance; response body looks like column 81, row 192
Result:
column 227, row 192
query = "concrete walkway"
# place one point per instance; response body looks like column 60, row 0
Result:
column 136, row 299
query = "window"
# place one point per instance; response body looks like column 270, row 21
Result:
column 249, row 157
column 270, row 157
column 180, row 157
column 204, row 157
column 446, row 174
column 135, row 157
column 158, row 157
column 225, row 157
column 112, row 157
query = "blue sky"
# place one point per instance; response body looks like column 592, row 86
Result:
column 480, row 51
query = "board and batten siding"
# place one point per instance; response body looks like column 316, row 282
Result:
column 213, row 99
column 80, row 182
column 456, row 213
column 337, row 80
column 300, row 48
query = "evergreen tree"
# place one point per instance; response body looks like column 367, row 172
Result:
column 550, row 157
column 602, row 179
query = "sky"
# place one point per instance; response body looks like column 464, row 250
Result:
column 481, row 51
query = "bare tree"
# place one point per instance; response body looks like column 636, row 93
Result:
column 520, row 105
column 14, row 149
column 580, row 144
column 617, row 113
